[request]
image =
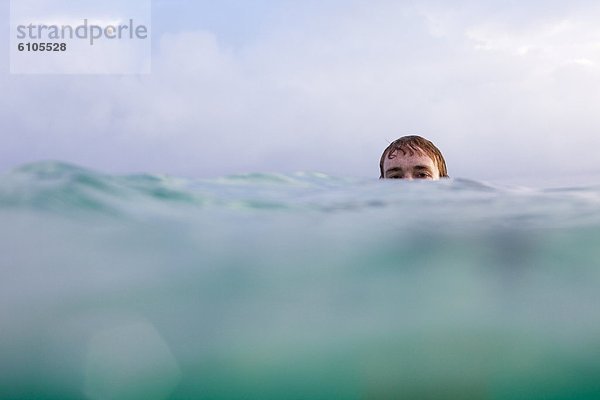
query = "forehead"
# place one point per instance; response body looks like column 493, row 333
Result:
column 397, row 159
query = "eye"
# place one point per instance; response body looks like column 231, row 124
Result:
column 423, row 175
column 395, row 177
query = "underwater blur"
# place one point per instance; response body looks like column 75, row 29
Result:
column 302, row 286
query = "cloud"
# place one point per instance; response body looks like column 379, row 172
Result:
column 503, row 97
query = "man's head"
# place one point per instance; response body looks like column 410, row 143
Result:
column 412, row 157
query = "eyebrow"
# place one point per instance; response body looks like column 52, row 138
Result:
column 422, row 167
column 416, row 167
column 396, row 169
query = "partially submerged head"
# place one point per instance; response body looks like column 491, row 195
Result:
column 412, row 157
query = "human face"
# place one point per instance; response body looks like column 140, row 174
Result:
column 406, row 166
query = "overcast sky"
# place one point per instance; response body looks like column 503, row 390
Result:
column 508, row 90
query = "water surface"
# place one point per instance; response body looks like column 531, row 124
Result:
column 303, row 286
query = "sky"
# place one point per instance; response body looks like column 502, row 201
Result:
column 509, row 91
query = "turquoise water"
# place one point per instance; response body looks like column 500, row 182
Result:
column 303, row 286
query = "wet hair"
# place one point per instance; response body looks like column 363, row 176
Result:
column 411, row 145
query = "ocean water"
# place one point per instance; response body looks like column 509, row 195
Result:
column 302, row 286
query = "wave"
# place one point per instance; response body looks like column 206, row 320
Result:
column 68, row 189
